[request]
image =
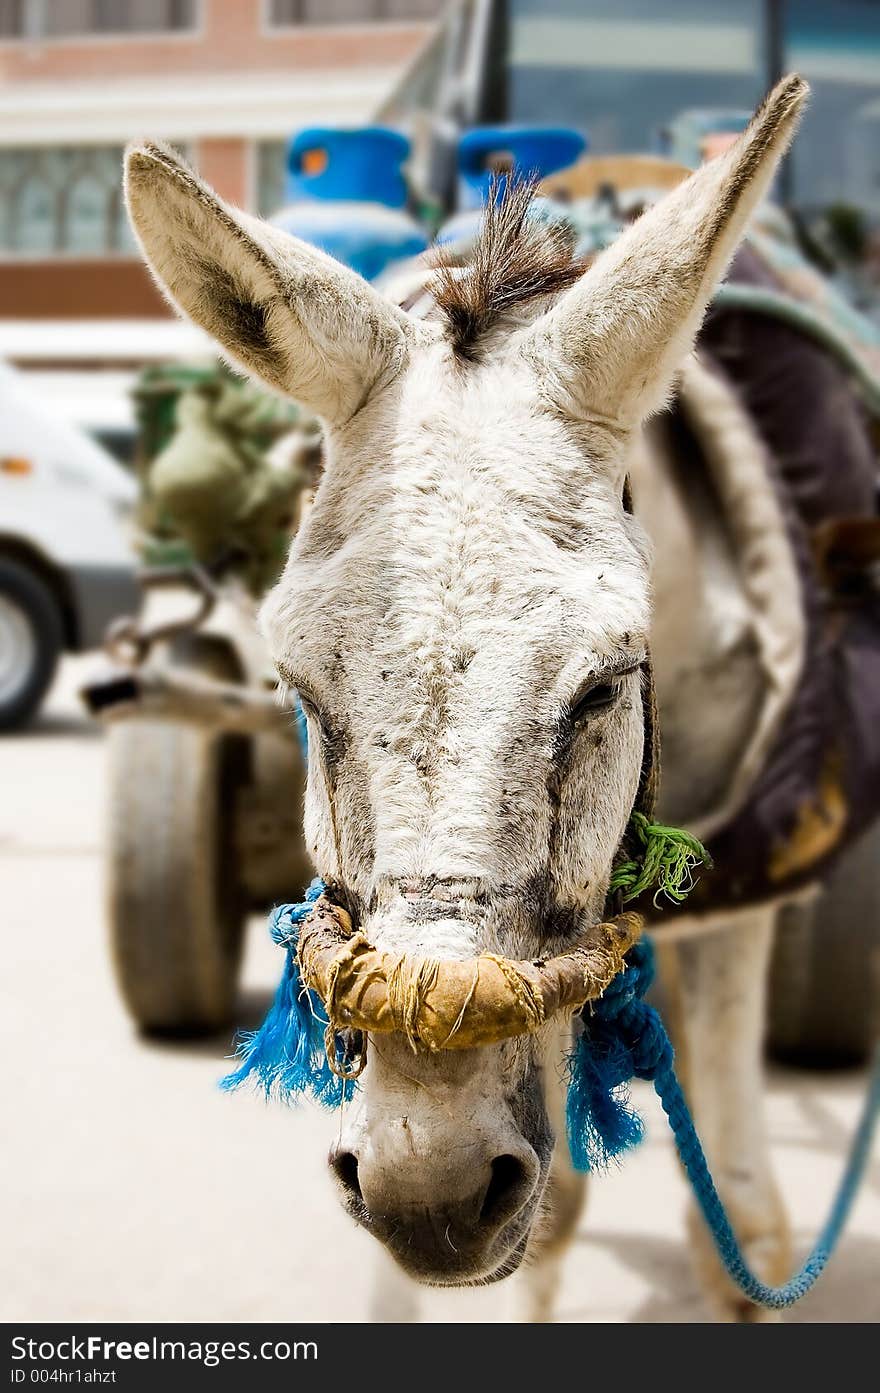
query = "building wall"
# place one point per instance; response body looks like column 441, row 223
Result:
column 216, row 91
column 226, row 164
column 231, row 36
column 71, row 288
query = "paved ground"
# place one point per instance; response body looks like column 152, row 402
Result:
column 134, row 1190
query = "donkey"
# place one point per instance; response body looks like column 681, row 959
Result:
column 466, row 614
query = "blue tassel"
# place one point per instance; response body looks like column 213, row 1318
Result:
column 600, row 1120
column 286, row 1057
column 623, row 1038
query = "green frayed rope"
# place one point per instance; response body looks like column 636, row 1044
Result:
column 667, row 860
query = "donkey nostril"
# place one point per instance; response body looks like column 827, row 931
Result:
column 345, row 1166
column 507, row 1190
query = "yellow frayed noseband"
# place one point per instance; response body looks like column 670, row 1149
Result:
column 450, row 1004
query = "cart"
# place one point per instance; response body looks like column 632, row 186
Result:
column 205, row 770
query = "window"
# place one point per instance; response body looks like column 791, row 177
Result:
column 57, row 19
column 836, row 45
column 638, row 75
column 621, row 72
column 88, row 220
column 63, row 202
column 12, row 19
column 287, row 12
column 33, row 216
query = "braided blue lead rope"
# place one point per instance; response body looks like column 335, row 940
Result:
column 694, row 1162
column 628, row 1027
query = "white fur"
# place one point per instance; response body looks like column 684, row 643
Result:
column 466, row 568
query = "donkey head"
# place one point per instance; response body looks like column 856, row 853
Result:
column 465, row 616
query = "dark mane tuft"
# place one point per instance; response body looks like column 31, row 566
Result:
column 515, row 259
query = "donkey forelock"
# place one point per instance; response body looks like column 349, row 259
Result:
column 516, row 258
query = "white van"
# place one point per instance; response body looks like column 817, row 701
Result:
column 67, row 565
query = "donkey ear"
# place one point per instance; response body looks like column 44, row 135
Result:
column 612, row 344
column 301, row 321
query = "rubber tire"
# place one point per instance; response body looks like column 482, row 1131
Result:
column 825, row 977
column 30, row 593
column 177, row 913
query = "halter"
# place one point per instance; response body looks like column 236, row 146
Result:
column 451, row 1004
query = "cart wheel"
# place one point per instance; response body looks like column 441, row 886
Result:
column 825, row 977
column 177, row 911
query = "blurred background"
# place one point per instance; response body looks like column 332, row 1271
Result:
column 147, row 497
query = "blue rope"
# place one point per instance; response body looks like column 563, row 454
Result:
column 641, row 1039
column 287, row 1056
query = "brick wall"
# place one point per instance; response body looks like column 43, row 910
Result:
column 231, row 39
column 225, row 166
column 70, row 288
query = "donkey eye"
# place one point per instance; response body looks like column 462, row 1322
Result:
column 596, row 698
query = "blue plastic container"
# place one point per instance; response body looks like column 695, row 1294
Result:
column 348, row 197
column 530, row 151
column 527, row 151
column 363, row 165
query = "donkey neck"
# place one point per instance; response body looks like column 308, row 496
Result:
column 709, row 678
